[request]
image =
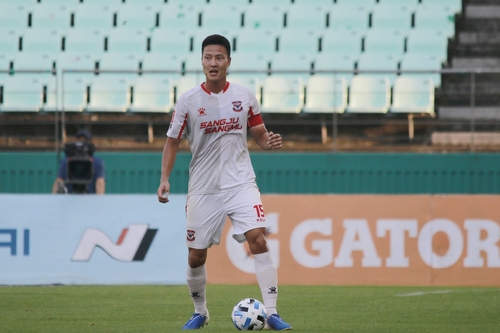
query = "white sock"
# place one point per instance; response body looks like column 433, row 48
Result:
column 267, row 277
column 197, row 284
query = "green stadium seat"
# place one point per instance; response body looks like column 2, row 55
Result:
column 103, row 2
column 264, row 16
column 281, row 3
column 9, row 40
column 332, row 61
column 179, row 17
column 167, row 40
column 5, row 60
column 22, row 93
column 157, row 3
column 122, row 64
column 392, row 16
column 51, row 17
column 152, row 93
column 109, row 93
column 349, row 16
column 13, row 16
column 324, row 3
column 187, row 82
column 76, row 61
column 94, row 16
column 221, row 17
column 128, row 40
column 422, row 62
column 163, row 62
column 60, row 2
column 315, row 18
column 294, row 64
column 251, row 82
column 239, row 3
column 298, row 40
column 382, row 41
column 42, row 40
column 34, row 61
column 436, row 17
column 342, row 42
column 379, row 62
column 196, row 3
column 83, row 40
column 427, row 42
column 282, row 94
column 413, row 95
column 137, row 16
column 249, row 62
column 326, row 94
column 262, row 41
column 455, row 5
column 21, row 2
column 192, row 63
column 369, row 94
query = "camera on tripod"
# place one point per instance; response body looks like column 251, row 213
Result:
column 80, row 165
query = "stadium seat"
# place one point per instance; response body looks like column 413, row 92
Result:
column 186, row 83
column 94, row 16
column 315, row 18
column 82, row 40
column 20, row 2
column 180, row 16
column 326, row 94
column 51, row 17
column 22, row 93
column 282, row 94
column 239, row 3
column 152, row 93
column 384, row 41
column 5, row 61
column 42, row 63
column 9, row 41
column 342, row 42
column 128, row 40
column 137, row 16
column 13, row 16
column 122, row 64
column 60, row 2
column 76, row 61
column 104, row 2
column 157, row 3
column 422, row 62
column 196, row 3
column 379, row 62
column 392, row 16
column 109, row 93
column 247, row 81
column 42, row 40
column 261, row 41
column 249, row 62
column 366, row 3
column 324, row 3
column 413, row 95
column 281, row 3
column 198, row 35
column 167, row 40
column 349, row 16
column 369, row 94
column 298, row 41
column 427, row 42
column 295, row 65
column 221, row 17
column 192, row 64
column 163, row 62
column 454, row 5
column 435, row 17
column 335, row 62
column 264, row 16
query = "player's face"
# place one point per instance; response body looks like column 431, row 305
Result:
column 215, row 62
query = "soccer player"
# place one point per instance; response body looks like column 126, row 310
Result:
column 215, row 117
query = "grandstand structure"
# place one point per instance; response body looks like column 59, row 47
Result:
column 323, row 69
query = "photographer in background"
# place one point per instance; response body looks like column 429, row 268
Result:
column 80, row 172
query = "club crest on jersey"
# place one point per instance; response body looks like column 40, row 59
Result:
column 201, row 112
column 190, row 235
column 237, row 106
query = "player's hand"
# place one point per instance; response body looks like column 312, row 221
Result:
column 274, row 140
column 163, row 192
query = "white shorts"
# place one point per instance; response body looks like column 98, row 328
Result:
column 206, row 215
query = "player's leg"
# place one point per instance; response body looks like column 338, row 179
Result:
column 197, row 284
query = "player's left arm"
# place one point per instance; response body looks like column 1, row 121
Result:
column 266, row 140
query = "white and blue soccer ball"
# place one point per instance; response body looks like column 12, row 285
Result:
column 249, row 314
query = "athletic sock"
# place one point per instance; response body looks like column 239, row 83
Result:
column 197, row 284
column 267, row 277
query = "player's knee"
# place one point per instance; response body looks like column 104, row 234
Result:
column 196, row 259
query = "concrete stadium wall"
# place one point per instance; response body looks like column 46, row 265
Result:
column 283, row 172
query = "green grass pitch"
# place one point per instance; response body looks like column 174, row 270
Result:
column 310, row 309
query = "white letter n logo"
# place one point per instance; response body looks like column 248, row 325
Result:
column 133, row 244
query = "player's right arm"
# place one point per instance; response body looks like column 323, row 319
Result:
column 167, row 164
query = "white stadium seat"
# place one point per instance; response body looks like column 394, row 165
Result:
column 369, row 94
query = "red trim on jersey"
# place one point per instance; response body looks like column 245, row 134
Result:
column 254, row 119
column 184, row 124
column 208, row 92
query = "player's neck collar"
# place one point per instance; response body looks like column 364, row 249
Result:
column 209, row 92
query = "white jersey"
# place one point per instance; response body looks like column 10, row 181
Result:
column 216, row 127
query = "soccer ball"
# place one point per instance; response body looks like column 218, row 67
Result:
column 249, row 315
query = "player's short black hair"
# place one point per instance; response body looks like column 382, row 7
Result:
column 217, row 40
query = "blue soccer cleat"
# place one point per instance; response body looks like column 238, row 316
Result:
column 274, row 322
column 196, row 321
